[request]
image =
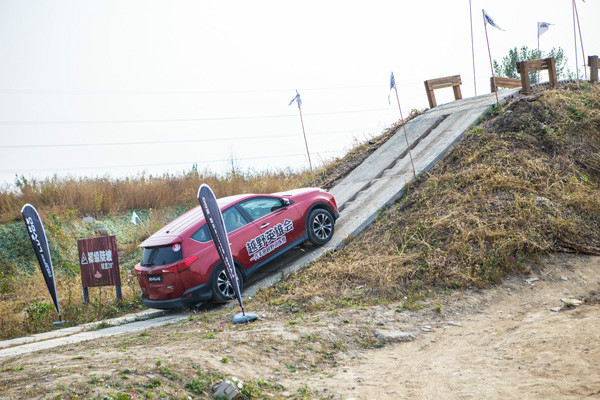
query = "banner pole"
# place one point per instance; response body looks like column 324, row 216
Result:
column 472, row 47
column 575, row 39
column 405, row 135
column 490, row 54
column 305, row 142
column 538, row 31
column 580, row 40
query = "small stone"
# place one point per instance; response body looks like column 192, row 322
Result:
column 101, row 230
column 573, row 302
column 531, row 280
column 556, row 309
column 564, row 278
column 426, row 329
column 538, row 200
column 317, row 300
column 386, row 336
column 226, row 390
column 453, row 323
column 87, row 220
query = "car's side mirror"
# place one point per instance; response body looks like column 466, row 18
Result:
column 286, row 202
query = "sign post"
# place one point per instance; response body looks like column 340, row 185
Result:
column 99, row 264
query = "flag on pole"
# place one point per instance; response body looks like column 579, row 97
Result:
column 489, row 20
column 543, row 27
column 296, row 99
column 392, row 86
column 134, row 218
column 39, row 240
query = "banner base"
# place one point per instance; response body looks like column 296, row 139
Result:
column 58, row 323
column 240, row 318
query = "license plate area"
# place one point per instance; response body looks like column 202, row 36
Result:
column 154, row 278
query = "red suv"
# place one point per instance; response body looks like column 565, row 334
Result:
column 180, row 265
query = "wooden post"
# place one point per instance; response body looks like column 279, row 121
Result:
column 593, row 63
column 430, row 96
column 552, row 72
column 457, row 93
column 522, row 69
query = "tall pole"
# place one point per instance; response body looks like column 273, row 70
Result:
column 472, row 47
column 405, row 135
column 538, row 27
column 539, row 55
column 305, row 142
column 490, row 54
column 575, row 39
column 580, row 39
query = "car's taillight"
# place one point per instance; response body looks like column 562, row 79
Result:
column 181, row 265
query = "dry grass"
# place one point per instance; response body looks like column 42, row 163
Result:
column 101, row 196
column 522, row 184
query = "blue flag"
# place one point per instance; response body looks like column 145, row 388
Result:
column 488, row 20
column 296, row 99
column 392, row 86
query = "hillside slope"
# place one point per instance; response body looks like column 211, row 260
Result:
column 468, row 268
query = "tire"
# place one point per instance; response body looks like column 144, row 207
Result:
column 320, row 226
column 221, row 288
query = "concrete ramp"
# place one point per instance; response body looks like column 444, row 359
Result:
column 380, row 180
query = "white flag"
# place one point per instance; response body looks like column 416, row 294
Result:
column 488, row 20
column 134, row 217
column 543, row 27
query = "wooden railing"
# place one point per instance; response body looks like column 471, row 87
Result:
column 497, row 82
column 525, row 67
column 439, row 83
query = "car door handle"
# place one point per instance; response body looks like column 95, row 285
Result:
column 263, row 226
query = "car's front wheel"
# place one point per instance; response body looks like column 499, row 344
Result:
column 320, row 226
column 221, row 287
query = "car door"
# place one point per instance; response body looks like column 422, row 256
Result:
column 277, row 221
column 240, row 231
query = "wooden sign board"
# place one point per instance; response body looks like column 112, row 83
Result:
column 99, row 261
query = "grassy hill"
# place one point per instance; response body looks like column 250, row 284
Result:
column 521, row 184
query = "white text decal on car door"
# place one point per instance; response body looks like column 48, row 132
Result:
column 269, row 240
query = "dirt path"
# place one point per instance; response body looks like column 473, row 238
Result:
column 512, row 347
column 503, row 342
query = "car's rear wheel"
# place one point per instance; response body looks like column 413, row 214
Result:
column 221, row 287
column 320, row 226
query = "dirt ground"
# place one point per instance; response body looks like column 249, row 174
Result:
column 503, row 342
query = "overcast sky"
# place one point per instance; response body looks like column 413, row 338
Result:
column 113, row 88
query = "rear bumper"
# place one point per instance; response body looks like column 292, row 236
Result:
column 191, row 297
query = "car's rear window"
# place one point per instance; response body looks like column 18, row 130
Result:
column 161, row 255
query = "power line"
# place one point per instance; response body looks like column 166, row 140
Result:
column 95, row 92
column 220, row 139
column 5, row 171
column 145, row 121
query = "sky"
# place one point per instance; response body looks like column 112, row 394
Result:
column 124, row 88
